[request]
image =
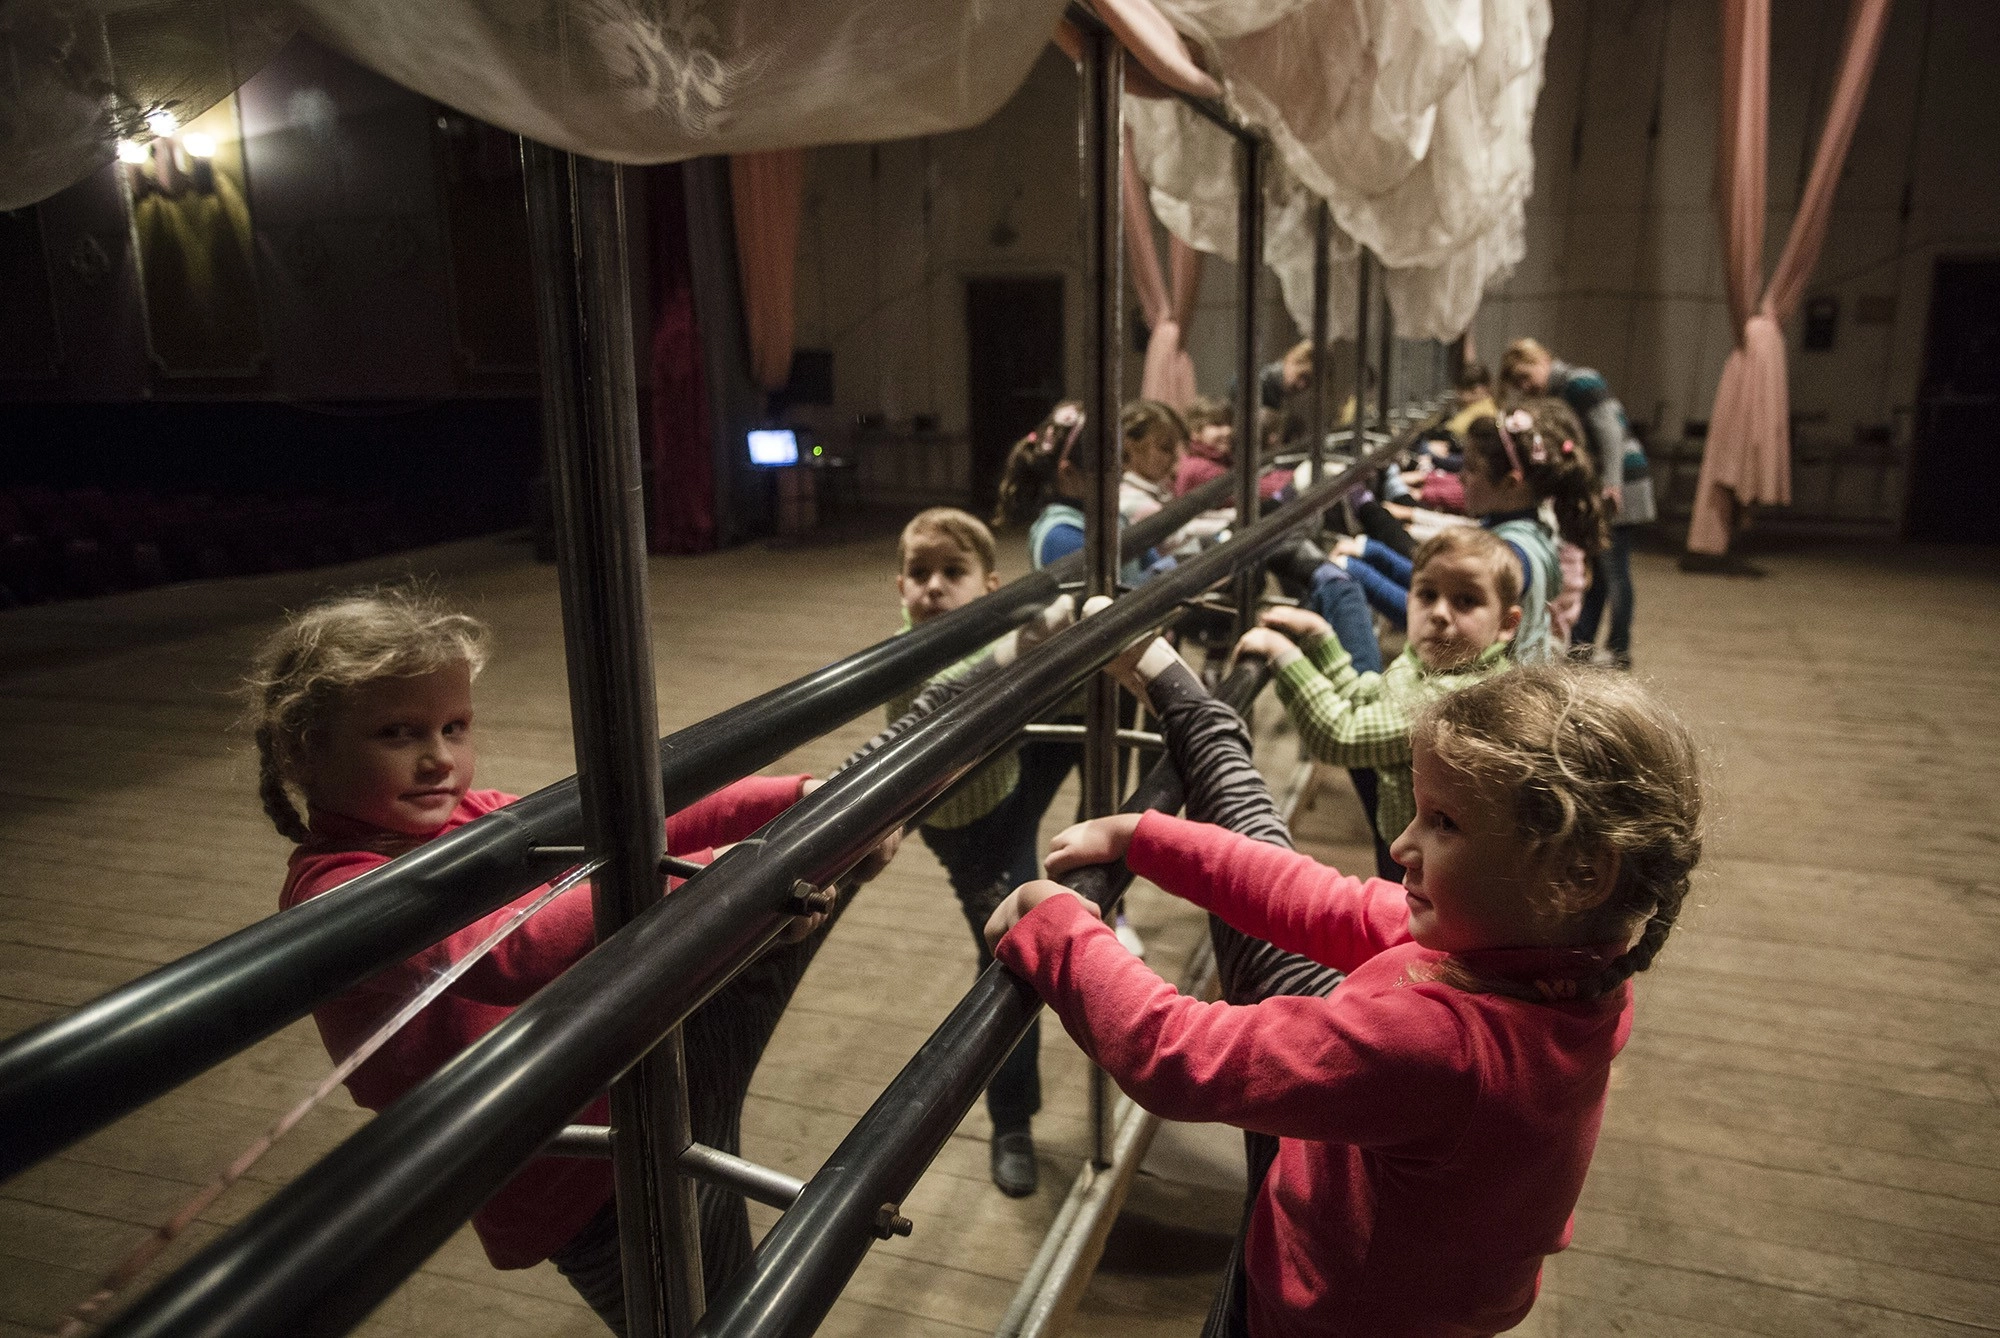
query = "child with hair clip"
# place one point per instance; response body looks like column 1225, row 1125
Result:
column 1574, row 561
column 1515, row 464
column 1041, row 486
column 363, row 708
column 1621, row 473
column 1043, row 483
column 1435, row 1116
column 1463, row 609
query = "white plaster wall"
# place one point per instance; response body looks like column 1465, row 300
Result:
column 890, row 234
column 1624, row 263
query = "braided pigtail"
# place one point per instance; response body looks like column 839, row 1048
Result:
column 271, row 789
column 1637, row 957
column 1600, row 776
column 1571, row 479
column 323, row 652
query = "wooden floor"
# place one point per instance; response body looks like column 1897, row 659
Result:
column 1803, row 1136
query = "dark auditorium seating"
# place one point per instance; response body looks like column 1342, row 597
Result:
column 90, row 541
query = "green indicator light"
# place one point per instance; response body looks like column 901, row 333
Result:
column 819, row 450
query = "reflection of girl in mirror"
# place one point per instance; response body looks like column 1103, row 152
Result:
column 363, row 707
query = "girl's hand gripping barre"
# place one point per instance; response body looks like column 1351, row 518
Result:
column 1099, row 841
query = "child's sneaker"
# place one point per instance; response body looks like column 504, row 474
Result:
column 1014, row 1168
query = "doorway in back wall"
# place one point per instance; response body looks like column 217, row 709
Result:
column 1955, row 475
column 1014, row 369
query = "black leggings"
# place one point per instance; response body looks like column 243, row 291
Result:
column 723, row 1040
column 1210, row 747
column 1385, row 529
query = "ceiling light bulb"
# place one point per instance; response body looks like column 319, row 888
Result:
column 133, row 152
column 162, row 122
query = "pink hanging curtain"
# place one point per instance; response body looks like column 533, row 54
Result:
column 1749, row 454
column 1169, row 374
column 766, row 190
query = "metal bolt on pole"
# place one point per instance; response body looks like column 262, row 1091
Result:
column 1322, row 372
column 1249, row 270
column 576, row 220
column 1100, row 129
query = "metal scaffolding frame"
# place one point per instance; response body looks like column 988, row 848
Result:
column 1101, row 145
column 1321, row 362
column 590, row 411
column 321, row 1253
column 1249, row 393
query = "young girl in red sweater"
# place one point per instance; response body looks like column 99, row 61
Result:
column 363, row 709
column 1435, row 1115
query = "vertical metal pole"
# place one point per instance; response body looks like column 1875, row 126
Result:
column 576, row 222
column 1388, row 364
column 1357, row 442
column 1322, row 373
column 1101, row 134
column 1249, row 271
column 1364, row 271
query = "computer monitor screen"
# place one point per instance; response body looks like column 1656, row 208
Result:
column 774, row 446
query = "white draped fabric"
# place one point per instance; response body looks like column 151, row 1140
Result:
column 1413, row 118
column 627, row 80
column 1410, row 117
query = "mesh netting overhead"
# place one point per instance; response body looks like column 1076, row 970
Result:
column 627, row 80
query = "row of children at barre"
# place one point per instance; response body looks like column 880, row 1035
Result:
column 1421, row 1064
column 1568, row 496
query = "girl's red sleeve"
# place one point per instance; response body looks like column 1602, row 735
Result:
column 1355, row 1068
column 731, row 813
column 551, row 940
column 562, row 932
column 1287, row 899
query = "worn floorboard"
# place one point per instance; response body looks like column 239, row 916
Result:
column 1803, row 1137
